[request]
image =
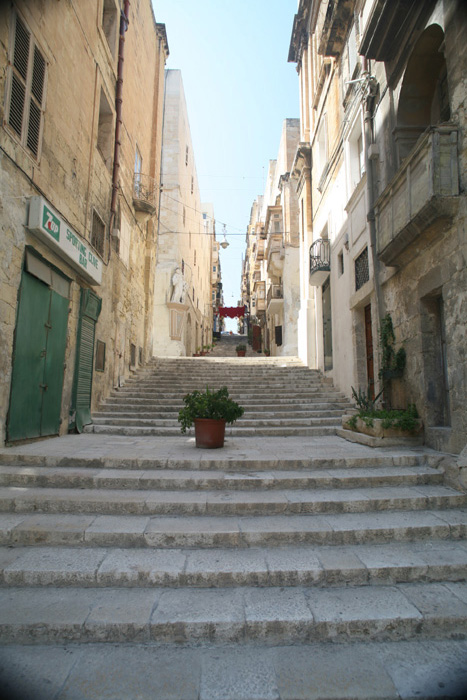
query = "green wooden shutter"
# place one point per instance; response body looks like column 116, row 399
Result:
column 82, row 389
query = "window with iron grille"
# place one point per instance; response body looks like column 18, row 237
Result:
column 98, row 233
column 362, row 270
column 26, row 88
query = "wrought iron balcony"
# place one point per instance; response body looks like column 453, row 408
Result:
column 320, row 262
column 422, row 197
column 144, row 196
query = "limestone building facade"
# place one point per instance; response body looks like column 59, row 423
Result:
column 81, row 97
column 270, row 275
column 380, row 174
column 183, row 310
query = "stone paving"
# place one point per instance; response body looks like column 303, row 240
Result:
column 143, row 567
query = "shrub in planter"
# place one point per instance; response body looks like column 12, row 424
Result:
column 241, row 350
column 209, row 410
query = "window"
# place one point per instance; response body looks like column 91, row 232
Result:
column 194, row 257
column 186, row 155
column 192, row 184
column 132, row 355
column 105, row 130
column 138, row 169
column 27, row 89
column 321, row 149
column 110, row 24
column 214, row 268
column 362, row 270
column 98, row 233
column 99, row 364
column 340, row 263
column 140, row 355
column 356, row 156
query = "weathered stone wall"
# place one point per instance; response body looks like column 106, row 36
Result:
column 74, row 177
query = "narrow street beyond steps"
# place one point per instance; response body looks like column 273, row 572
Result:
column 281, row 567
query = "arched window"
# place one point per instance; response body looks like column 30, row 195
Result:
column 424, row 98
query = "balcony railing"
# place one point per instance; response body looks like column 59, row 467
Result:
column 422, row 197
column 275, row 296
column 320, row 262
column 144, row 195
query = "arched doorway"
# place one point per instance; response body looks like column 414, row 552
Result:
column 424, row 97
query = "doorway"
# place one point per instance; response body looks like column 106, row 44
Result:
column 370, row 367
column 39, row 352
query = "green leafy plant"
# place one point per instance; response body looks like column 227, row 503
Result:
column 392, row 362
column 208, row 404
column 241, row 347
column 365, row 402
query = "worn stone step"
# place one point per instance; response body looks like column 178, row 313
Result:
column 147, row 501
column 75, row 563
column 320, row 671
column 110, row 429
column 90, row 477
column 247, row 422
column 222, row 460
column 272, row 615
column 161, row 411
column 170, row 531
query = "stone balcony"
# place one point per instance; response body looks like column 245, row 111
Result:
column 422, row 197
column 145, row 194
column 275, row 254
column 275, row 298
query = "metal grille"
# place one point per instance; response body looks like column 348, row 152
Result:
column 362, row 270
column 98, row 233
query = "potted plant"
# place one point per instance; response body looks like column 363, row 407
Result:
column 241, row 350
column 209, row 411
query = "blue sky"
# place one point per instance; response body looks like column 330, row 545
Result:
column 239, row 88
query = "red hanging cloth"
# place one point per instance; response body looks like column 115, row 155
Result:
column 231, row 311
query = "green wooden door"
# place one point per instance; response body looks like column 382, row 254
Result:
column 38, row 361
column 82, row 386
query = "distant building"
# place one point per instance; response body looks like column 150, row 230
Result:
column 380, row 173
column 183, row 322
column 270, row 278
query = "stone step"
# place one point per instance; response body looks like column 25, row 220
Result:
column 110, row 429
column 123, row 413
column 88, row 563
column 222, row 460
column 260, row 393
column 265, row 410
column 166, row 479
column 175, row 403
column 391, row 670
column 232, row 532
column 247, row 422
column 196, row 615
column 228, row 503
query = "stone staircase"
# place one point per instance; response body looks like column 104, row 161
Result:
column 208, row 551
column 319, row 569
column 280, row 396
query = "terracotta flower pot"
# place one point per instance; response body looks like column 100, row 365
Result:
column 209, row 433
column 241, row 353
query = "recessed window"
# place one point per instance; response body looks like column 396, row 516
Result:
column 110, row 24
column 105, row 130
column 340, row 263
column 192, row 184
column 362, row 269
column 98, row 233
column 27, row 88
column 140, row 355
column 132, row 355
column 356, row 156
column 186, row 155
column 99, row 364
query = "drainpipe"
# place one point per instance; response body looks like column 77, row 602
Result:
column 369, row 100
column 124, row 22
